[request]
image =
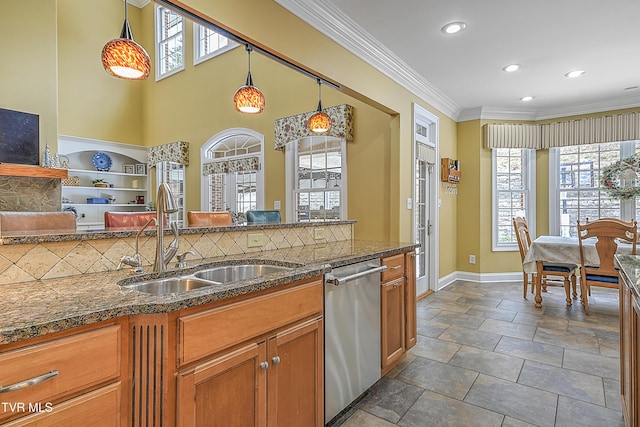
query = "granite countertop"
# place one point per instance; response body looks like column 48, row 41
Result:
column 40, row 307
column 630, row 271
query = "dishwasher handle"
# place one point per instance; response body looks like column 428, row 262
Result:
column 337, row 281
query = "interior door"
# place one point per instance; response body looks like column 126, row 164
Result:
column 422, row 225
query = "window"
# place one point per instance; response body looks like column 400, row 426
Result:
column 169, row 42
column 575, row 188
column 207, row 43
column 316, row 179
column 513, row 195
column 232, row 173
column 173, row 175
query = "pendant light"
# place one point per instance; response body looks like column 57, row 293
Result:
column 123, row 57
column 248, row 98
column 320, row 121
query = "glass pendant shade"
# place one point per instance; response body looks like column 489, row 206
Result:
column 124, row 58
column 248, row 98
column 319, row 122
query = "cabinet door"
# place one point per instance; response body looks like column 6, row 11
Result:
column 228, row 391
column 296, row 376
column 392, row 322
column 634, row 380
column 626, row 309
column 411, row 322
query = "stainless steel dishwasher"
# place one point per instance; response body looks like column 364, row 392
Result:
column 352, row 333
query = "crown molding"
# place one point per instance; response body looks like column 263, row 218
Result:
column 139, row 3
column 495, row 113
column 330, row 21
column 608, row 104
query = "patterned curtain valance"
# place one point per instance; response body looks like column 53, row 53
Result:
column 506, row 135
column 230, row 166
column 172, row 152
column 593, row 130
column 290, row 128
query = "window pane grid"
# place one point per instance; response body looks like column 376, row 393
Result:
column 169, row 41
column 511, row 192
column 580, row 194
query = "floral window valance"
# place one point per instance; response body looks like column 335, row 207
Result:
column 291, row 128
column 177, row 152
column 230, row 166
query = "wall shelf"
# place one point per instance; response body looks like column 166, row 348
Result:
column 9, row 169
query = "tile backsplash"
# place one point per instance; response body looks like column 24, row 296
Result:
column 48, row 260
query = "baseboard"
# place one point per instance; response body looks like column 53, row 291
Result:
column 478, row 277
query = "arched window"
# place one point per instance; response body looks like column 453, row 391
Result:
column 232, row 174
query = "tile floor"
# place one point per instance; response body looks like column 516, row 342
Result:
column 487, row 357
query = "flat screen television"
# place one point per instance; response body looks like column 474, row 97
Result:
column 19, row 137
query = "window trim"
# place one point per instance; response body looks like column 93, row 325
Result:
column 529, row 175
column 290, row 178
column 158, row 42
column 627, row 208
column 197, row 59
column 212, row 142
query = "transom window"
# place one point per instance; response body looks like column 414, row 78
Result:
column 513, row 195
column 316, row 179
column 207, row 43
column 169, row 42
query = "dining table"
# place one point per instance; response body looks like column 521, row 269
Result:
column 561, row 249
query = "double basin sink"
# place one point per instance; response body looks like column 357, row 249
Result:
column 207, row 277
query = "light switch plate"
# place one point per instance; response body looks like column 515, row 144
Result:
column 276, row 204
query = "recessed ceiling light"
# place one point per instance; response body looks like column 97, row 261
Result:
column 575, row 73
column 526, row 98
column 511, row 68
column 454, row 27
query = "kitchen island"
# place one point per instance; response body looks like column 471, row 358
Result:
column 142, row 349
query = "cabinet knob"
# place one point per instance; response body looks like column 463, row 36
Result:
column 275, row 360
column 264, row 365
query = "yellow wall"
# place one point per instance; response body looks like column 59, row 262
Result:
column 92, row 103
column 28, row 81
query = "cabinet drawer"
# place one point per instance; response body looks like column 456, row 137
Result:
column 99, row 408
column 395, row 267
column 82, row 360
column 216, row 329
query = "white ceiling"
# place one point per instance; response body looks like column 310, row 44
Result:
column 462, row 75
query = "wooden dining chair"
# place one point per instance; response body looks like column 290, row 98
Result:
column 608, row 233
column 566, row 270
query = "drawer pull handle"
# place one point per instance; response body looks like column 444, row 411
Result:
column 275, row 360
column 28, row 383
column 395, row 267
column 264, row 365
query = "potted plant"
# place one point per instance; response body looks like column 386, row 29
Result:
column 100, row 183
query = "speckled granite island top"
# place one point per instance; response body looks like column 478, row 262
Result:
column 630, row 271
column 37, row 308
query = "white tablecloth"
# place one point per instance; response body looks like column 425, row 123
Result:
column 563, row 249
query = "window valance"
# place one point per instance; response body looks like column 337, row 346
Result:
column 172, row 152
column 593, row 130
column 229, row 166
column 291, row 128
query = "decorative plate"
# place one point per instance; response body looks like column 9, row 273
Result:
column 102, row 162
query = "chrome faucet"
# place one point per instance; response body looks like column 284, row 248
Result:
column 166, row 204
column 135, row 261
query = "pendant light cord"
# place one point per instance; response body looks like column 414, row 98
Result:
column 319, row 94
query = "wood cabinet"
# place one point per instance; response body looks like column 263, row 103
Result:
column 392, row 307
column 71, row 380
column 411, row 318
column 266, row 364
column 629, row 348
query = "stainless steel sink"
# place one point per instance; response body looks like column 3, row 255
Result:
column 168, row 285
column 235, row 273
